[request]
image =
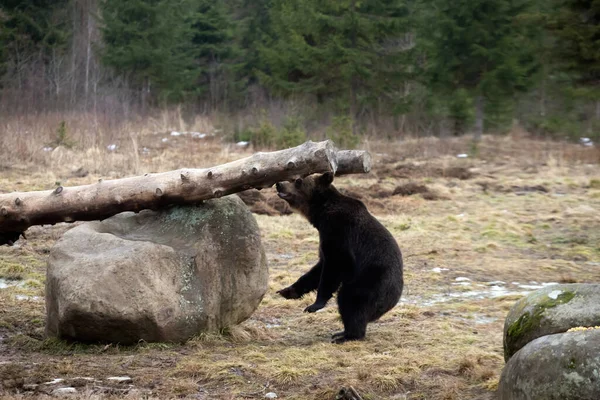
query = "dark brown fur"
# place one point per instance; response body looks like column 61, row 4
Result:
column 358, row 257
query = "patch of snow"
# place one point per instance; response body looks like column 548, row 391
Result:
column 484, row 320
column 119, row 379
column 462, row 279
column 495, row 283
column 439, row 270
column 5, row 283
column 175, row 133
column 462, row 155
column 554, row 294
column 47, row 148
column 22, row 297
column 111, row 147
column 271, row 395
column 54, row 381
column 242, row 143
column 164, row 140
column 535, row 285
column 30, row 386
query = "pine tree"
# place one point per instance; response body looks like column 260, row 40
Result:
column 576, row 24
column 215, row 51
column 479, row 46
column 352, row 52
column 34, row 29
column 253, row 29
column 150, row 42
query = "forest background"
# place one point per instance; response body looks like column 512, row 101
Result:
column 275, row 72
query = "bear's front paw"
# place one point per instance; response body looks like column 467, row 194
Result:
column 289, row 293
column 314, row 307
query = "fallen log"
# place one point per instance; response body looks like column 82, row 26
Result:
column 20, row 210
column 353, row 162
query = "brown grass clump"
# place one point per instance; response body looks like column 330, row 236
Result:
column 409, row 189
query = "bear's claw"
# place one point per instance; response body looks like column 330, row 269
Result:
column 289, row 293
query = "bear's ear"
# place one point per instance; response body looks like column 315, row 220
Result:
column 326, row 179
column 298, row 183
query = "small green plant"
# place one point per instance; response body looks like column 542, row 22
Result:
column 292, row 134
column 340, row 132
column 62, row 137
column 474, row 148
column 265, row 135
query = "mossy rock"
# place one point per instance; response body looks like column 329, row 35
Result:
column 563, row 366
column 157, row 276
column 554, row 309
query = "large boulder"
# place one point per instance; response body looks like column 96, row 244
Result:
column 554, row 309
column 564, row 366
column 156, row 276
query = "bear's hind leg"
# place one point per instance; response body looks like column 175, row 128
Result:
column 354, row 330
column 353, row 310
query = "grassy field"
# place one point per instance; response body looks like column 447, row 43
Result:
column 477, row 233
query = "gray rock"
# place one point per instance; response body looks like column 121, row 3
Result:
column 564, row 366
column 554, row 309
column 156, row 276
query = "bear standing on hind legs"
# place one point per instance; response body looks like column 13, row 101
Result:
column 357, row 255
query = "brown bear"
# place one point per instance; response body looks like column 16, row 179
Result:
column 357, row 255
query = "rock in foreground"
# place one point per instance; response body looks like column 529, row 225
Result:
column 563, row 366
column 554, row 309
column 156, row 276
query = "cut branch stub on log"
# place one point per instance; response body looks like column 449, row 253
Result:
column 20, row 210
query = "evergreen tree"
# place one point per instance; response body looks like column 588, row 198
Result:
column 33, row 29
column 576, row 24
column 353, row 52
column 253, row 30
column 215, row 51
column 150, row 42
column 479, row 46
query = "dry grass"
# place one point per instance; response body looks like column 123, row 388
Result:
column 441, row 342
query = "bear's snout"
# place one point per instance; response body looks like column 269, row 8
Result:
column 282, row 191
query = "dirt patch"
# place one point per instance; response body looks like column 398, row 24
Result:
column 529, row 189
column 279, row 205
column 376, row 191
column 490, row 186
column 426, row 170
column 252, row 196
column 264, row 204
column 412, row 188
column 409, row 189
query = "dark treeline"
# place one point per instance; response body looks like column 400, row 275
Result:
column 439, row 67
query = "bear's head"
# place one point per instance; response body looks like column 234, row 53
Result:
column 304, row 192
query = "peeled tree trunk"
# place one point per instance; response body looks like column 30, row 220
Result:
column 20, row 210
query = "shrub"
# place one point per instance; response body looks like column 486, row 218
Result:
column 340, row 132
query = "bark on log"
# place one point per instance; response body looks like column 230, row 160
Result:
column 20, row 210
